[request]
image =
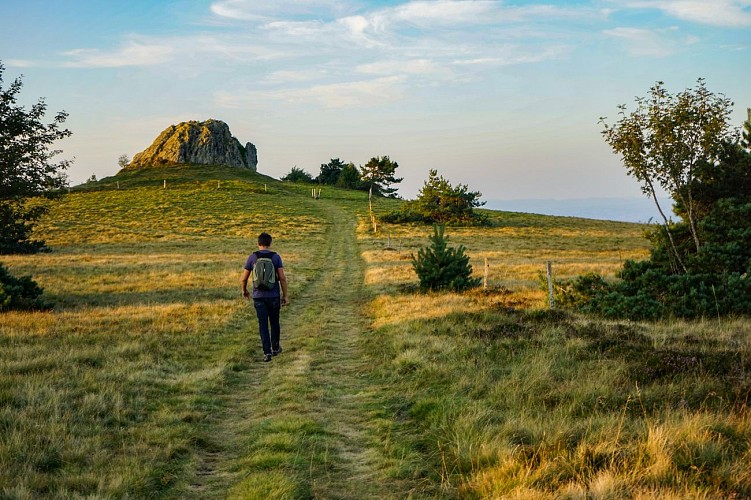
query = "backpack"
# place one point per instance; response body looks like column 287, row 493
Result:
column 264, row 272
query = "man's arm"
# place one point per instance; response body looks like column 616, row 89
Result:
column 283, row 283
column 244, row 281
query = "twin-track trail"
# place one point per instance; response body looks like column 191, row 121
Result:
column 321, row 381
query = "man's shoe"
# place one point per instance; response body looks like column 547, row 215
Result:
column 266, row 358
column 277, row 352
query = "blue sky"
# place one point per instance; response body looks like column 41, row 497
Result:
column 504, row 96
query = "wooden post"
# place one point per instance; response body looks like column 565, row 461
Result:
column 485, row 277
column 218, row 184
column 264, row 188
column 118, row 184
column 165, row 183
column 388, row 241
column 550, row 285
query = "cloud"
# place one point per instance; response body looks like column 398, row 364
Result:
column 249, row 10
column 724, row 13
column 643, row 42
column 19, row 63
column 131, row 54
column 356, row 94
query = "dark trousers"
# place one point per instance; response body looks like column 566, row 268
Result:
column 267, row 310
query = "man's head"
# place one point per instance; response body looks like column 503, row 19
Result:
column 264, row 240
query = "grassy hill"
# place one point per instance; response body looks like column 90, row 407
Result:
column 145, row 380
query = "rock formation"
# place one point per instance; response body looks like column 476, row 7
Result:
column 209, row 142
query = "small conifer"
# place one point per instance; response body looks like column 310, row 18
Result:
column 441, row 267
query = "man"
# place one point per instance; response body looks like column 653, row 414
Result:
column 266, row 299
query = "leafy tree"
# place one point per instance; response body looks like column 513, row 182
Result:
column 26, row 167
column 349, row 177
column 330, row 172
column 123, row 161
column 440, row 267
column 667, row 140
column 378, row 175
column 714, row 280
column 440, row 202
column 298, row 175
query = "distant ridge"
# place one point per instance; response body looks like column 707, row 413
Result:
column 208, row 142
column 616, row 209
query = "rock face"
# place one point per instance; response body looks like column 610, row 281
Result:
column 209, row 142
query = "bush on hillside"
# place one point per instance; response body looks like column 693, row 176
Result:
column 298, row 175
column 716, row 281
column 440, row 267
column 439, row 202
column 19, row 293
column 699, row 266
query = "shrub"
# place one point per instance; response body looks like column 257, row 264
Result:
column 298, row 175
column 439, row 202
column 19, row 293
column 441, row 267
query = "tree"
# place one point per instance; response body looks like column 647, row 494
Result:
column 298, row 175
column 667, row 140
column 378, row 175
column 440, row 267
column 441, row 202
column 349, row 177
column 330, row 172
column 26, row 166
column 123, row 161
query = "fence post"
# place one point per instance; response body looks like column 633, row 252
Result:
column 165, row 183
column 485, row 276
column 550, row 285
column 118, row 184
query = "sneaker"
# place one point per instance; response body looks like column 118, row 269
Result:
column 278, row 351
column 266, row 358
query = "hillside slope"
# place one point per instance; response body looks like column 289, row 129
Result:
column 146, row 380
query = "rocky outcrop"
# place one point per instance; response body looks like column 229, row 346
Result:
column 209, row 142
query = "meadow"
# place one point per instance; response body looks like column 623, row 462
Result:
column 145, row 378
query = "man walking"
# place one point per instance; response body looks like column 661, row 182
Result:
column 268, row 277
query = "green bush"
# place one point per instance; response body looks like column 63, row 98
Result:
column 298, row 175
column 441, row 267
column 19, row 293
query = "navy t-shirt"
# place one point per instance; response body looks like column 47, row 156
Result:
column 277, row 261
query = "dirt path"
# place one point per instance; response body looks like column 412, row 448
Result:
column 308, row 419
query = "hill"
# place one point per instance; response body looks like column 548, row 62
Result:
column 145, row 379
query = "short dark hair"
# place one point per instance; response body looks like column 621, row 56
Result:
column 264, row 240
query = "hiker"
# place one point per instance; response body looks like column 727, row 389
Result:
column 268, row 277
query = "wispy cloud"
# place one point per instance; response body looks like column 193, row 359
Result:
column 649, row 42
column 354, row 94
column 131, row 54
column 725, row 13
column 19, row 63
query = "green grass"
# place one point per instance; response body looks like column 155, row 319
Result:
column 144, row 379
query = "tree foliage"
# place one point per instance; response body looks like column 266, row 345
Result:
column 441, row 203
column 440, row 267
column 330, row 172
column 298, row 175
column 668, row 140
column 349, row 177
column 19, row 293
column 699, row 266
column 27, row 168
column 379, row 176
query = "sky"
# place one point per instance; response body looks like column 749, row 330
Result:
column 503, row 96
